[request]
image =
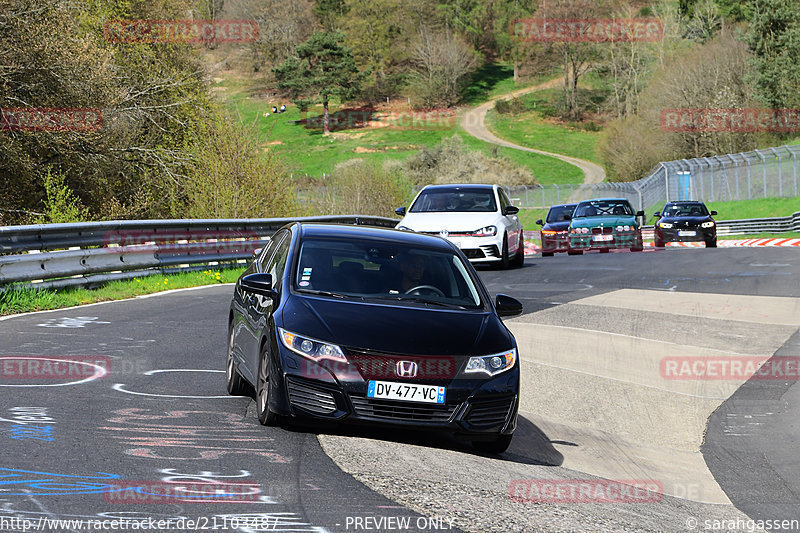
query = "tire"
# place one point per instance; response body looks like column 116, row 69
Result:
column 604, row 250
column 712, row 243
column 499, row 445
column 547, row 254
column 659, row 243
column 505, row 262
column 574, row 252
column 237, row 386
column 263, row 382
column 519, row 257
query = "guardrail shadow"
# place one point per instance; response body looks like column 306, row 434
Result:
column 529, row 446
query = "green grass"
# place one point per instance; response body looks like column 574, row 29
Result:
column 496, row 79
column 529, row 129
column 14, row 301
column 528, row 217
column 758, row 208
column 305, row 150
column 788, row 235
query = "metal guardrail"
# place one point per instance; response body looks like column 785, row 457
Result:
column 62, row 255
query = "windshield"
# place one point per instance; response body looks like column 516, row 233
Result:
column 455, row 200
column 560, row 213
column 603, row 208
column 370, row 269
column 685, row 210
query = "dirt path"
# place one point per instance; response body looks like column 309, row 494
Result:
column 473, row 122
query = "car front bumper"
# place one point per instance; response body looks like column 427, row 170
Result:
column 558, row 242
column 479, row 249
column 587, row 241
column 474, row 407
column 674, row 234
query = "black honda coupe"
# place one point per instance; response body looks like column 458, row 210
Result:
column 375, row 326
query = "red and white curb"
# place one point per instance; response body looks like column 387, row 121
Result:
column 532, row 247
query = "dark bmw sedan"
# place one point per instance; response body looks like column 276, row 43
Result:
column 376, row 326
column 555, row 229
column 685, row 221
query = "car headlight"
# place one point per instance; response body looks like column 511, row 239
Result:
column 404, row 228
column 492, row 364
column 488, row 231
column 584, row 230
column 311, row 348
column 665, row 225
column 709, row 224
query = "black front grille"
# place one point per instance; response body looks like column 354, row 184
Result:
column 489, row 413
column 402, row 412
column 310, row 398
column 473, row 253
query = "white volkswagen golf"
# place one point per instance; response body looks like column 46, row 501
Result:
column 479, row 219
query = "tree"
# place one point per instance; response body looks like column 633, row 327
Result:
column 774, row 40
column 443, row 62
column 322, row 67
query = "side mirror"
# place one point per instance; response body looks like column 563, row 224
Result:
column 507, row 306
column 401, row 211
column 540, row 222
column 713, row 213
column 657, row 214
column 639, row 213
column 258, row 284
column 511, row 210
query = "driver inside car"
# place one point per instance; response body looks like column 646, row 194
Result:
column 412, row 267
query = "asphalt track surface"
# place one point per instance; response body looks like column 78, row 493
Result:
column 93, row 445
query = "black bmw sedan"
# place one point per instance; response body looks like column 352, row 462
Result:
column 685, row 222
column 377, row 326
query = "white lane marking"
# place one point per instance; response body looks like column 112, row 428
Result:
column 67, row 322
column 151, row 372
column 671, row 391
column 727, row 352
column 61, row 309
column 99, row 372
column 121, row 388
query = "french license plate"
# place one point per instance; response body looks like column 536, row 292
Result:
column 406, row 392
column 602, row 237
column 686, row 233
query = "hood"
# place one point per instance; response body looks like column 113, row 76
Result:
column 612, row 220
column 436, row 222
column 561, row 225
column 399, row 330
column 687, row 221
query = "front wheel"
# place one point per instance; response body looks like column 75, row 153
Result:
column 499, row 445
column 265, row 416
column 519, row 257
column 711, row 243
column 547, row 254
column 504, row 259
column 574, row 252
column 659, row 243
column 236, row 384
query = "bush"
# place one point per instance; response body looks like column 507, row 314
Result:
column 451, row 162
column 515, row 106
column 228, row 177
column 357, row 187
column 60, row 204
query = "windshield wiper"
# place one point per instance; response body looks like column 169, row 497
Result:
column 406, row 298
column 322, row 293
